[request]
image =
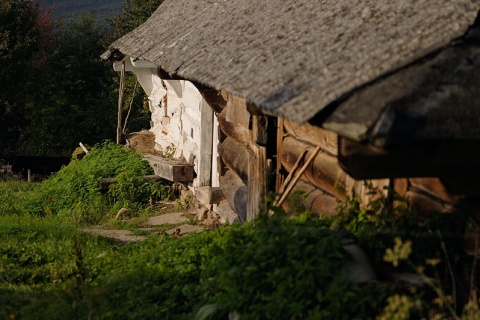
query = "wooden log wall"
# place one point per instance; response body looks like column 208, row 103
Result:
column 233, row 150
column 326, row 183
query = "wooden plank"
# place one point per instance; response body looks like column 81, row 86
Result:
column 204, row 176
column 298, row 176
column 120, row 104
column 171, row 169
column 324, row 172
column 326, row 139
column 292, row 173
column 104, row 183
column 257, row 168
column 215, row 156
column 400, row 187
column 233, row 130
column 215, row 99
column 278, row 171
column 316, row 201
column 423, row 204
column 257, row 179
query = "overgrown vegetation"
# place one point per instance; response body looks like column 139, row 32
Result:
column 276, row 267
column 74, row 190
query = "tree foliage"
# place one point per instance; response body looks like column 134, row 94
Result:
column 135, row 12
column 26, row 34
column 55, row 90
column 77, row 100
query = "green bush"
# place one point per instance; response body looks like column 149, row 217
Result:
column 74, row 190
column 275, row 267
column 437, row 256
column 282, row 268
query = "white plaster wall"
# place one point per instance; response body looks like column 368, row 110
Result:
column 177, row 109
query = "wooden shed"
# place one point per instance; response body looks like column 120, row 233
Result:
column 335, row 92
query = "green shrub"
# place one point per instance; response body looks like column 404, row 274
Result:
column 74, row 190
column 283, row 268
column 381, row 226
column 275, row 267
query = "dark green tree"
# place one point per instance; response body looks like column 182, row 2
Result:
column 26, row 36
column 77, row 101
column 135, row 12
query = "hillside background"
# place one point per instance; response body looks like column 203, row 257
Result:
column 102, row 9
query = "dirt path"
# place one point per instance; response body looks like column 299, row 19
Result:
column 173, row 219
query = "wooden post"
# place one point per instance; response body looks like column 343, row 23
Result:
column 29, row 175
column 204, row 175
column 120, row 104
column 83, row 147
column 289, row 177
column 279, row 177
column 257, row 166
column 289, row 188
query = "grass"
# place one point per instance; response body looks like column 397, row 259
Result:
column 51, row 270
column 271, row 268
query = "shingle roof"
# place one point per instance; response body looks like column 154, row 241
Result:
column 434, row 99
column 293, row 58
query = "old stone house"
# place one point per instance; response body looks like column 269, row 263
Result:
column 333, row 92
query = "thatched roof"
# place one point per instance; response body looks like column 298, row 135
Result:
column 294, row 58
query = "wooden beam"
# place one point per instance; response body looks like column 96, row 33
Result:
column 120, row 104
column 257, row 167
column 324, row 172
column 104, row 183
column 445, row 160
column 280, row 133
column 204, row 176
column 289, row 177
column 170, row 169
column 297, row 176
column 217, row 100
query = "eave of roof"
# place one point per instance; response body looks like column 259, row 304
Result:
column 434, row 99
column 294, row 59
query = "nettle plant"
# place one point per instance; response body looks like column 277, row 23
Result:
column 74, row 190
column 425, row 248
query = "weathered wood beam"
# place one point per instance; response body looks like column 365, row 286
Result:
column 297, row 176
column 278, row 169
column 105, row 183
column 446, row 160
column 316, row 136
column 217, row 100
column 235, row 190
column 170, row 169
column 316, row 200
column 257, row 166
column 235, row 156
column 120, row 104
column 204, row 176
column 324, row 172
